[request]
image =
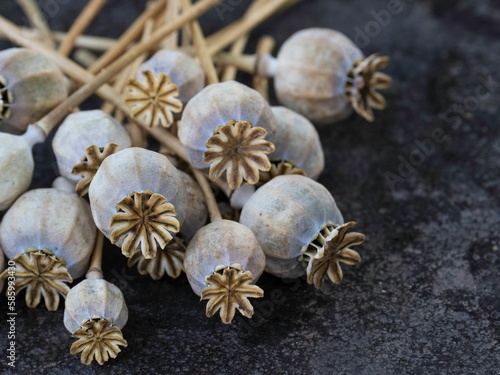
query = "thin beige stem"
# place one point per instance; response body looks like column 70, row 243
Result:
column 130, row 35
column 82, row 21
column 201, row 46
column 223, row 38
column 84, row 57
column 210, row 201
column 37, row 20
column 95, row 268
column 171, row 12
column 48, row 122
column 229, row 71
column 261, row 83
column 95, row 43
column 245, row 63
column 136, row 131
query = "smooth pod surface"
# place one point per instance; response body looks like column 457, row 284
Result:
column 285, row 214
column 81, row 130
column 94, row 297
column 16, row 168
column 35, row 83
column 312, row 71
column 50, row 219
column 297, row 140
column 196, row 214
column 214, row 106
column 222, row 243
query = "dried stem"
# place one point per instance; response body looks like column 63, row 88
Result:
column 84, row 57
column 171, row 12
column 48, row 122
column 37, row 20
column 210, row 201
column 201, row 45
column 96, row 43
column 229, row 72
column 131, row 34
column 82, row 21
column 260, row 82
column 95, row 268
column 223, row 38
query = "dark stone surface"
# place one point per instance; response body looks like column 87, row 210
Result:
column 425, row 298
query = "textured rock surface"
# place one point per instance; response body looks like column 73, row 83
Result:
column 425, row 298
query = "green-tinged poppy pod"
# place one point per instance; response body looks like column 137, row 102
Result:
column 30, row 86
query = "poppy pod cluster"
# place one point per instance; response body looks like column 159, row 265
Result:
column 226, row 146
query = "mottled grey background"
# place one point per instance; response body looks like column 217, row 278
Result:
column 425, row 298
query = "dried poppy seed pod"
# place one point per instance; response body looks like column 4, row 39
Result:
column 321, row 74
column 49, row 234
column 82, row 141
column 182, row 69
column 138, row 199
column 296, row 219
column 297, row 145
column 17, row 164
column 30, row 86
column 223, row 127
column 222, row 262
column 95, row 313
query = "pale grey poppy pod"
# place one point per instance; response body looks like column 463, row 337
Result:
column 132, row 179
column 296, row 140
column 31, row 86
column 215, row 106
column 94, row 297
column 182, row 69
column 285, row 214
column 81, row 130
column 222, row 243
column 311, row 74
column 50, row 219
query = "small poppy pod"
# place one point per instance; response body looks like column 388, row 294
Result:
column 182, row 69
column 30, row 86
column 223, row 127
column 95, row 313
column 222, row 262
column 297, row 143
column 49, row 234
column 82, row 141
column 138, row 199
column 16, row 166
column 290, row 216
